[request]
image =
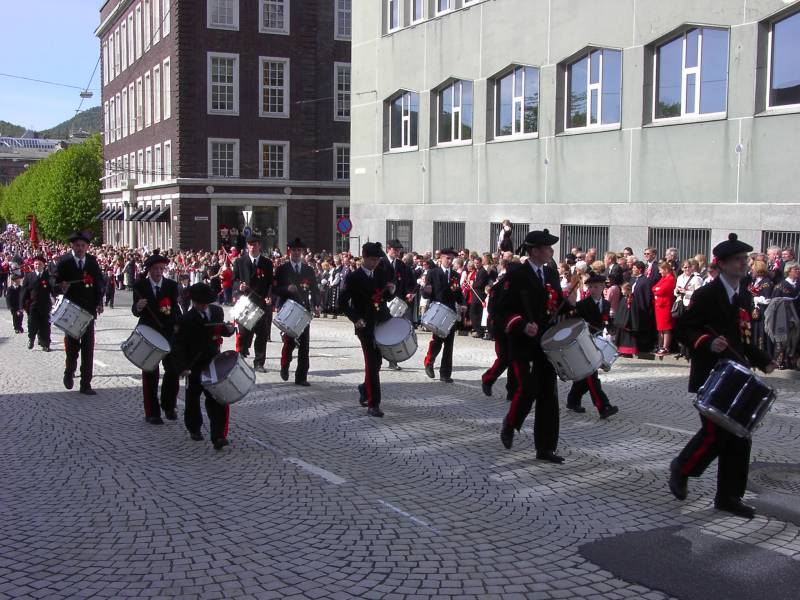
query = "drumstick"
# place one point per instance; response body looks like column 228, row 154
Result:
column 730, row 349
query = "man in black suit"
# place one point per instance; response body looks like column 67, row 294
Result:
column 403, row 278
column 533, row 301
column 37, row 298
column 651, row 271
column 14, row 301
column 443, row 285
column 155, row 302
column 643, row 319
column 252, row 274
column 717, row 325
column 295, row 280
column 595, row 311
column 478, row 299
column 79, row 277
column 363, row 299
column 197, row 341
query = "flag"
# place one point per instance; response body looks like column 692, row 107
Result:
column 34, row 233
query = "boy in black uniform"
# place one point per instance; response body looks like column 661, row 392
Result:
column 363, row 300
column 295, row 280
column 253, row 273
column 14, row 302
column 595, row 311
column 155, row 302
column 197, row 342
column 79, row 278
column 444, row 286
column 37, row 299
column 717, row 325
column 403, row 278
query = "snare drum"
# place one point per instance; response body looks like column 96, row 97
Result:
column 734, row 398
column 397, row 307
column 228, row 377
column 246, row 312
column 70, row 318
column 571, row 350
column 608, row 351
column 439, row 319
column 145, row 348
column 292, row 319
column 396, row 339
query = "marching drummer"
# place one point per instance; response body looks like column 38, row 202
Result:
column 717, row 325
column 80, row 279
column 363, row 300
column 253, row 274
column 593, row 309
column 295, row 280
column 403, row 278
column 36, row 299
column 443, row 285
column 155, row 302
column 197, row 341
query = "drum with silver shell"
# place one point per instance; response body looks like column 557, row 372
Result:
column 571, row 350
column 228, row 377
column 397, row 307
column 608, row 350
column 70, row 318
column 396, row 339
column 246, row 312
column 145, row 348
column 292, row 319
column 439, row 319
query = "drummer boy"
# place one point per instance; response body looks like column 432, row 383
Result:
column 593, row 309
column 197, row 342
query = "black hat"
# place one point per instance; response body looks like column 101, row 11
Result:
column 253, row 239
column 80, row 235
column 155, row 259
column 730, row 247
column 596, row 278
column 371, row 250
column 296, row 244
column 202, row 293
column 539, row 238
column 394, row 244
column 448, row 252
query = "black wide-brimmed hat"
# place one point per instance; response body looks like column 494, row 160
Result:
column 371, row 250
column 296, row 244
column 80, row 235
column 394, row 244
column 596, row 278
column 155, row 259
column 202, row 293
column 448, row 252
column 730, row 247
column 539, row 238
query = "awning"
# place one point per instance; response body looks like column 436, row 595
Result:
column 116, row 215
column 161, row 215
column 137, row 214
column 149, row 214
column 101, row 216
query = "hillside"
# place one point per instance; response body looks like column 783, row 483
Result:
column 11, row 130
column 90, row 120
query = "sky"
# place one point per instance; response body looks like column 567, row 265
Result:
column 52, row 40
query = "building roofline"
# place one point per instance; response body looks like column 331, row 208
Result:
column 112, row 17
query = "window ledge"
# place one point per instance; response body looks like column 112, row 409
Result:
column 274, row 31
column 455, row 144
column 402, row 150
column 267, row 115
column 219, row 26
column 592, row 129
column 685, row 120
column 221, row 113
column 513, row 138
column 789, row 109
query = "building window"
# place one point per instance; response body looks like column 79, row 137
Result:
column 402, row 231
column 125, row 169
column 343, row 20
column 417, row 12
column 106, row 123
column 782, row 239
column 131, row 174
column 130, row 41
column 275, row 80
column 584, row 237
column 223, row 14
column 594, row 89
column 156, row 94
column 112, row 121
column 117, row 52
column 106, row 65
column 404, row 121
column 517, row 102
column 448, row 234
column 223, row 158
column 147, row 29
column 166, row 24
column 156, row 21
column 148, row 164
column 274, row 16
column 692, row 74
column 168, row 159
column 124, row 44
column 454, row 112
column 158, row 174
column 140, row 167
column 167, row 87
column 223, row 83
column 124, row 112
column 131, row 109
column 139, row 105
column 118, row 109
column 443, row 6
column 392, row 14
column 687, row 241
column 518, row 233
column 342, row 243
column 138, row 31
column 111, row 73
column 784, row 60
column 341, row 162
column 274, row 160
column 148, row 100
column 342, row 78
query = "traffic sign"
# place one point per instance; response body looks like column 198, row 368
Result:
column 344, row 225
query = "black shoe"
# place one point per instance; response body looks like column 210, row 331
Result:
column 362, row 395
column 303, row 383
column 374, row 411
column 69, row 381
column 172, row 415
column 285, row 373
column 393, row 366
column 259, row 369
column 678, row 483
column 30, row 344
column 196, row 436
column 446, row 379
column 87, row 390
column 154, row 420
column 45, row 348
column 550, row 456
column 487, row 388
column 507, row 435
column 577, row 408
column 735, row 506
column 221, row 443
column 608, row 411
column 429, row 371
column 244, row 353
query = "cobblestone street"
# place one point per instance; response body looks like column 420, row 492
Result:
column 313, row 499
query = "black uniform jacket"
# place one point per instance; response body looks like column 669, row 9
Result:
column 257, row 276
column 448, row 292
column 307, row 292
column 597, row 318
column 14, row 298
column 399, row 274
column 709, row 315
column 364, row 297
column 197, row 341
column 37, row 294
column 86, row 289
column 482, row 279
column 160, row 313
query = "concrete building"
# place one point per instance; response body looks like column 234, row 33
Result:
column 17, row 154
column 223, row 117
column 612, row 122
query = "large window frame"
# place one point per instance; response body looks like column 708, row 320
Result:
column 342, row 88
column 286, row 163
column 265, row 86
column 343, row 20
column 442, row 7
column 459, row 96
column 394, row 15
column 167, row 88
column 404, row 104
column 770, row 105
column 518, row 77
column 597, row 73
column 148, row 99
column 234, row 84
column 341, row 162
column 157, row 93
column 211, row 24
column 235, row 157
column 262, row 12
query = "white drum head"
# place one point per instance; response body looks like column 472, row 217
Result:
column 151, row 335
column 393, row 331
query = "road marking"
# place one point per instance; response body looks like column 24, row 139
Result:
column 264, row 445
column 409, row 516
column 668, row 428
column 100, row 363
column 319, row 471
column 133, row 380
column 9, row 322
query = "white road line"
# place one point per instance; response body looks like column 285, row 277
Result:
column 319, row 471
column 100, row 363
column 9, row 322
column 133, row 380
column 264, row 445
column 668, row 428
column 409, row 516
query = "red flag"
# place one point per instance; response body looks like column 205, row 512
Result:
column 34, row 234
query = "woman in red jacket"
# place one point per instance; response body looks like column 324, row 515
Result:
column 226, row 281
column 663, row 297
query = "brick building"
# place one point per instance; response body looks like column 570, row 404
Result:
column 219, row 109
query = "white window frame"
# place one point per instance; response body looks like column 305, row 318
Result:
column 337, row 93
column 148, row 31
column 111, row 72
column 124, row 112
column 131, row 173
column 117, row 52
column 131, row 42
column 211, row 25
column 589, row 87
column 157, row 94
column 167, row 159
column 112, row 117
column 406, row 124
column 515, row 100
column 235, row 142
column 125, row 168
column 390, row 5
column 286, row 112
column 347, row 12
column 166, row 88
column 139, row 104
column 118, row 115
column 336, row 148
column 770, row 49
column 443, row 11
column 412, row 9
column 123, row 38
column 286, row 158
column 106, row 122
column 158, row 174
column 131, row 109
column 148, row 164
column 140, row 167
column 235, row 58
column 456, row 139
column 148, row 99
column 106, row 66
column 138, row 31
column 156, row 10
column 166, row 24
column 285, row 30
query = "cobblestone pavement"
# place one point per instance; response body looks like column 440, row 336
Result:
column 313, row 499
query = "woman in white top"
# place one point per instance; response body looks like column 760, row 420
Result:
column 688, row 281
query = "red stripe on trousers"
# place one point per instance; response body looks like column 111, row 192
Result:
column 491, row 374
column 698, row 454
column 285, row 352
column 428, row 355
column 227, row 420
column 238, row 343
column 593, row 393
column 512, row 411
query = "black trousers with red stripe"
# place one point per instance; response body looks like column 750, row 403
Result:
column 85, row 348
column 169, row 389
column 372, row 368
column 592, row 385
column 501, row 363
column 301, row 343
column 218, row 414
column 733, row 452
column 536, row 382
column 437, row 345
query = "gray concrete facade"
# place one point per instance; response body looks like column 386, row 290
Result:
column 733, row 171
